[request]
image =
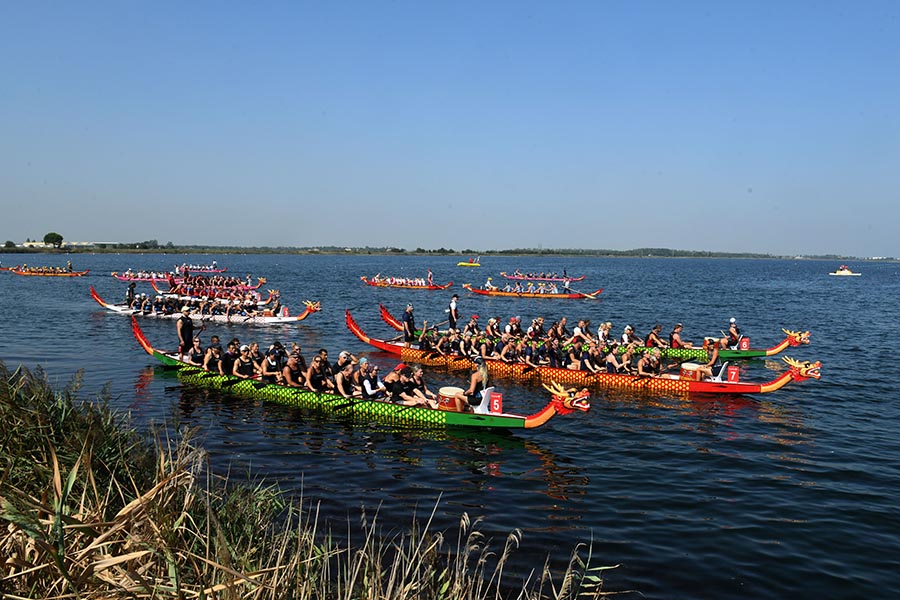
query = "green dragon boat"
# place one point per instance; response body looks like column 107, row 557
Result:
column 563, row 401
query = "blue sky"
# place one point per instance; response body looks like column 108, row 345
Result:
column 746, row 127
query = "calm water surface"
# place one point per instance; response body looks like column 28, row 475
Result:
column 785, row 495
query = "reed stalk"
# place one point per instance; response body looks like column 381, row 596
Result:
column 91, row 508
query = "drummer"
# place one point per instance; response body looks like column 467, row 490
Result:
column 712, row 368
column 464, row 400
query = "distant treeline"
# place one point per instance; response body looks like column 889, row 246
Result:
column 170, row 248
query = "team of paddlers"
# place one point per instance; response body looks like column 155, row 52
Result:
column 24, row 268
column 235, row 304
column 529, row 287
column 349, row 376
column 409, row 281
column 558, row 346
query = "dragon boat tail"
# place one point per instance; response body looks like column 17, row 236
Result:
column 563, row 401
column 666, row 383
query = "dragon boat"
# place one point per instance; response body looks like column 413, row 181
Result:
column 211, row 268
column 235, row 319
column 47, row 272
column 128, row 276
column 208, row 290
column 682, row 382
column 559, row 296
column 792, row 339
column 563, row 401
column 221, row 298
column 523, row 277
column 375, row 282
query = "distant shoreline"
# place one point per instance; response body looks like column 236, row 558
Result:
column 466, row 254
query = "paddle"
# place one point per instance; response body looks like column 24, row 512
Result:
column 436, row 325
column 586, row 295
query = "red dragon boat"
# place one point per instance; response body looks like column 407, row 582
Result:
column 524, row 277
column 47, row 272
column 563, row 401
column 186, row 269
column 376, row 282
column 665, row 383
column 207, row 290
column 559, row 296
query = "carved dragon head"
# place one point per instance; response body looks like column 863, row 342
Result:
column 568, row 400
column 803, row 370
column 313, row 306
column 795, row 338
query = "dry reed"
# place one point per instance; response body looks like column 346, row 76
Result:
column 90, row 508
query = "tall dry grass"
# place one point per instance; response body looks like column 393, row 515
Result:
column 90, row 508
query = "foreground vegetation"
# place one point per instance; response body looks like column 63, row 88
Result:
column 90, row 508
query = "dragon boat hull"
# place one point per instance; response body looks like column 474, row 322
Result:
column 385, row 412
column 522, row 372
column 50, row 273
column 383, row 284
column 572, row 296
column 228, row 319
column 529, row 278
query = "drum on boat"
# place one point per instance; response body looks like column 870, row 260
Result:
column 690, row 371
column 446, row 397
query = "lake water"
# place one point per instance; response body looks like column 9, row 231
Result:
column 784, row 495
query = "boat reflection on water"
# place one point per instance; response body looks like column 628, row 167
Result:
column 142, row 393
column 712, row 411
column 471, row 458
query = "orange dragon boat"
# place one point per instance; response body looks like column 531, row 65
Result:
column 47, row 272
